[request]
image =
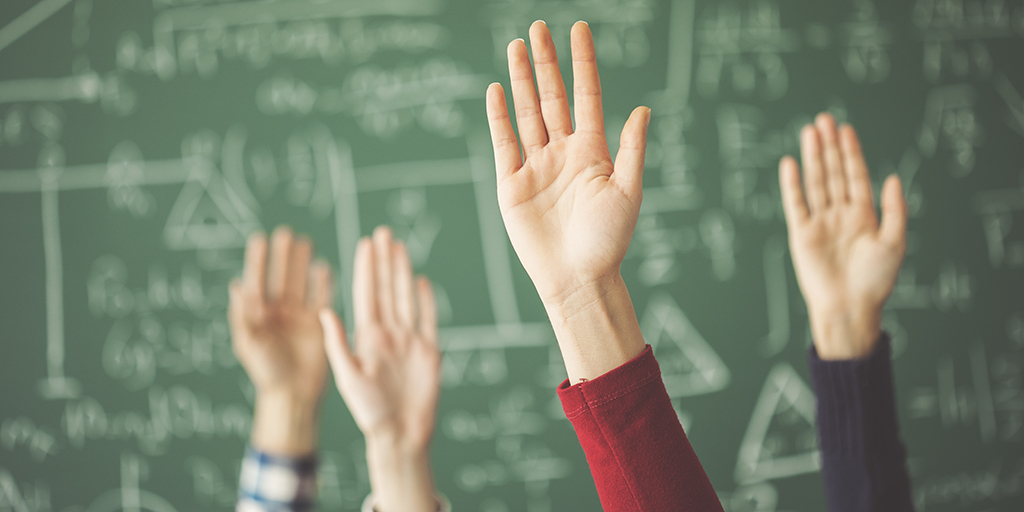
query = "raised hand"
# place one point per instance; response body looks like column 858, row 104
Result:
column 391, row 380
column 277, row 337
column 568, row 208
column 845, row 261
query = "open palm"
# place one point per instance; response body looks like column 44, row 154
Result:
column 568, row 208
column 273, row 315
column 391, row 381
column 846, row 263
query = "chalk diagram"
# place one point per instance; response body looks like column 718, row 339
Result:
column 207, row 214
column 780, row 440
column 689, row 366
column 129, row 498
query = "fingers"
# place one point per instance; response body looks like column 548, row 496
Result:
column 298, row 271
column 894, row 214
column 835, row 175
column 629, row 162
column 254, row 271
column 428, row 310
column 280, row 252
column 236, row 300
column 336, row 342
column 321, row 286
column 586, row 84
column 793, row 202
column 405, row 301
column 528, row 114
column 814, row 171
column 364, row 284
column 244, row 309
column 507, row 158
column 857, row 177
column 554, row 103
column 382, row 249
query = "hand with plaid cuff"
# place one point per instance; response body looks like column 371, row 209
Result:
column 276, row 334
column 391, row 380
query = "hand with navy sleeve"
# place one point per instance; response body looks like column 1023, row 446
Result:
column 846, row 263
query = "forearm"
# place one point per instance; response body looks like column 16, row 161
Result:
column 596, row 328
column 285, row 425
column 400, row 476
column 863, row 458
column 637, row 451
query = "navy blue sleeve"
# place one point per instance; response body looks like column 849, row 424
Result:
column 863, row 460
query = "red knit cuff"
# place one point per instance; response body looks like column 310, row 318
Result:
column 621, row 381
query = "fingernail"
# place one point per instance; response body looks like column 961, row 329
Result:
column 540, row 21
column 648, row 116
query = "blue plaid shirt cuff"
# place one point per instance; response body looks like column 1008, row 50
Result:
column 272, row 483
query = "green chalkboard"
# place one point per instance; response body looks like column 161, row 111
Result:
column 142, row 140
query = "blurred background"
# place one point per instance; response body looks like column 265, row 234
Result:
column 142, row 141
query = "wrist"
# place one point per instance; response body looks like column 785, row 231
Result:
column 400, row 475
column 845, row 334
column 285, row 424
column 596, row 327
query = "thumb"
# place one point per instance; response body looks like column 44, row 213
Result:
column 894, row 213
column 629, row 162
column 336, row 342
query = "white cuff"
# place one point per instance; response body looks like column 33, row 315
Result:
column 443, row 505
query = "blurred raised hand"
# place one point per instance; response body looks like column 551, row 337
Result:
column 276, row 334
column 846, row 261
column 569, row 209
column 391, row 379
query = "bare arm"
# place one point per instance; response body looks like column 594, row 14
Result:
column 278, row 339
column 391, row 380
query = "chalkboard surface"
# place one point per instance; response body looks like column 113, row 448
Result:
column 141, row 141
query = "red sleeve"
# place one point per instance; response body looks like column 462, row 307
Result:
column 638, row 453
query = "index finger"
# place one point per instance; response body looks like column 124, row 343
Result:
column 586, row 84
column 507, row 158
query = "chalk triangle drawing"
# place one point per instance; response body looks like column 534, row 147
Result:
column 207, row 214
column 689, row 366
column 780, row 439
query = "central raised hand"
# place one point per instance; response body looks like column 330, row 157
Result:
column 568, row 208
column 392, row 379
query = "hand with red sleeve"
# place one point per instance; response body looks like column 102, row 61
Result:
column 570, row 211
